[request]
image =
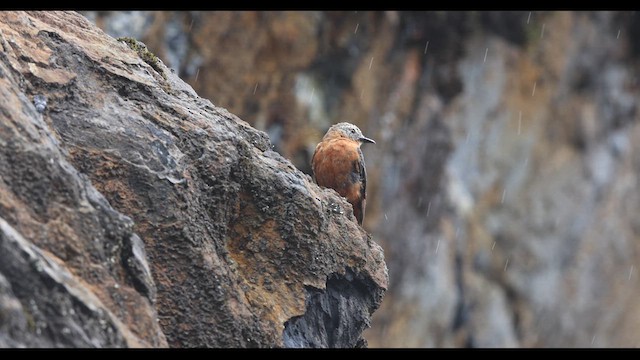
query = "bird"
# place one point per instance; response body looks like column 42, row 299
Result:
column 338, row 163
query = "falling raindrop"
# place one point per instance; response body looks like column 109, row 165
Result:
column 506, row 264
column 356, row 30
column 504, row 192
column 197, row 73
column 493, row 245
column 191, row 25
column 529, row 17
column 485, row 55
column 426, row 47
column 593, row 339
column 617, row 36
column 438, row 246
column 428, row 208
column 542, row 31
column 519, row 122
column 313, row 91
column 630, row 272
column 370, row 63
column 385, row 217
column 255, row 88
column 361, row 93
column 534, row 88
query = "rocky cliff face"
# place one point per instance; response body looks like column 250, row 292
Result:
column 135, row 213
column 503, row 185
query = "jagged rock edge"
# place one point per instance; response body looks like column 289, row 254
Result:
column 305, row 330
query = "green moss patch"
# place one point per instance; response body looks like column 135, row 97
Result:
column 144, row 53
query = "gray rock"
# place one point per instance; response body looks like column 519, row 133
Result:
column 135, row 213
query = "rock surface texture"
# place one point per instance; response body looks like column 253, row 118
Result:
column 134, row 213
column 504, row 183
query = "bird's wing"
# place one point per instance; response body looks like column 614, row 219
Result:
column 360, row 169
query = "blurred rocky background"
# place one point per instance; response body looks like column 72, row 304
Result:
column 504, row 183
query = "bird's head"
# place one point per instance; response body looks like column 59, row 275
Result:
column 348, row 130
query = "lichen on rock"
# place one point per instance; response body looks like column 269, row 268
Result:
column 147, row 56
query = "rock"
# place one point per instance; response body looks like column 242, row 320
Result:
column 134, row 213
column 503, row 184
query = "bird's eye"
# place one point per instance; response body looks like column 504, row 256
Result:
column 353, row 131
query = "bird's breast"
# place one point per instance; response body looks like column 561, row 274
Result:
column 333, row 167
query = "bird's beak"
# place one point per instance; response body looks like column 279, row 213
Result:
column 366, row 139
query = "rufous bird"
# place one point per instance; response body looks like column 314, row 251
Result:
column 338, row 164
